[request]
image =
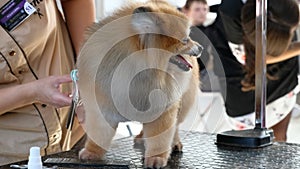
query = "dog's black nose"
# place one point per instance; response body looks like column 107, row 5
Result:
column 197, row 50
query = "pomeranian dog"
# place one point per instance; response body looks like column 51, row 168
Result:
column 138, row 64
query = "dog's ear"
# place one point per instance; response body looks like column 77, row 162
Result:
column 144, row 20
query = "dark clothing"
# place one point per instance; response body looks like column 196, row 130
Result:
column 231, row 11
column 198, row 34
column 209, row 81
column 237, row 102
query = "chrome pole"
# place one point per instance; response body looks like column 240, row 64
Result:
column 260, row 136
column 260, row 63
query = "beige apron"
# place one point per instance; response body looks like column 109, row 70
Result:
column 42, row 41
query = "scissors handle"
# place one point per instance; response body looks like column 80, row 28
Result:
column 75, row 100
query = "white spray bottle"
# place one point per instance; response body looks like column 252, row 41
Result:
column 35, row 160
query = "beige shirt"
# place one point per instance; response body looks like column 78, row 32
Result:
column 40, row 43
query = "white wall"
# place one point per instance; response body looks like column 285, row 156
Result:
column 104, row 7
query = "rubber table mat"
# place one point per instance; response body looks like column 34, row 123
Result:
column 200, row 151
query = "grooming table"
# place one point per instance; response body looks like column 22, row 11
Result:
column 200, row 151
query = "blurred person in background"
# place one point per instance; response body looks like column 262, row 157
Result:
column 237, row 53
column 233, row 35
column 197, row 11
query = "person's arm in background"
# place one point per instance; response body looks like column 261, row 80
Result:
column 79, row 15
column 293, row 51
column 34, row 92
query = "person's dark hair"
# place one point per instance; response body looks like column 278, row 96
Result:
column 282, row 18
column 189, row 3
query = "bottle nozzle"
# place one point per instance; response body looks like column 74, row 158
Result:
column 35, row 161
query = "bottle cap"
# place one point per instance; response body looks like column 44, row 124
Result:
column 35, row 161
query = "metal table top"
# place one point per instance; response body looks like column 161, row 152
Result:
column 200, row 151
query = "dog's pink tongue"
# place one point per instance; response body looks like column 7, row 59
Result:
column 185, row 61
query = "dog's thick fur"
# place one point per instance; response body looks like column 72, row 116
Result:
column 160, row 134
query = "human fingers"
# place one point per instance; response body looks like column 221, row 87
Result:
column 63, row 79
column 61, row 100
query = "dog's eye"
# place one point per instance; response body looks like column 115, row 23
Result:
column 185, row 41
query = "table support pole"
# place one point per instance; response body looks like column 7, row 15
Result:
column 260, row 63
column 260, row 136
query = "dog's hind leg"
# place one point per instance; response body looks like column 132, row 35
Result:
column 158, row 136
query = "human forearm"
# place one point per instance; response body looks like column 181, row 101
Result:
column 15, row 97
column 293, row 51
column 79, row 14
column 45, row 91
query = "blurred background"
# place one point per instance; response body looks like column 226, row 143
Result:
column 209, row 115
column 104, row 7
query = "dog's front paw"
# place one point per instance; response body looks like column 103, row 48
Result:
column 85, row 154
column 155, row 162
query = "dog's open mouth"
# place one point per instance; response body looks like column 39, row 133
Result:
column 181, row 62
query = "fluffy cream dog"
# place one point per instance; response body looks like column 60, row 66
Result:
column 138, row 64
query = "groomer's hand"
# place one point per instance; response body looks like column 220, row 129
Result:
column 47, row 91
